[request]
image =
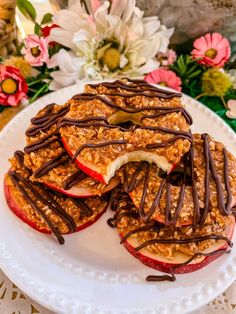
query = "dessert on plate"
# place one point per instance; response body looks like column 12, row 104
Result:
column 127, row 145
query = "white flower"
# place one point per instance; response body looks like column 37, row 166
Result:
column 114, row 40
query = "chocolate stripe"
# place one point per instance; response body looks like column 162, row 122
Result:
column 43, row 123
column 184, row 241
column 41, row 143
column 75, row 178
column 227, row 183
column 19, row 155
column 90, row 145
column 53, row 163
column 36, row 208
column 110, row 103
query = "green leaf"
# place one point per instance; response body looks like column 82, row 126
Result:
column 27, row 9
column 47, row 18
column 37, row 29
column 195, row 74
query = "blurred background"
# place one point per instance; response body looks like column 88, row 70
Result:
column 190, row 18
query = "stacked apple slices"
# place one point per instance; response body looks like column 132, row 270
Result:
column 45, row 188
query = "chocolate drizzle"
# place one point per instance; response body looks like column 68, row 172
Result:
column 75, row 178
column 33, row 192
column 172, row 277
column 53, row 163
column 42, row 142
column 141, row 84
column 111, row 104
column 127, row 209
column 46, row 120
column 43, row 123
column 19, row 155
column 199, row 216
column 16, row 179
column 95, row 145
column 184, row 241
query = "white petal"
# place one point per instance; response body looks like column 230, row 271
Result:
column 75, row 6
column 123, row 61
column 81, row 35
column 63, row 37
column 149, row 66
column 68, row 20
column 54, row 85
column 118, row 7
column 62, row 79
column 53, row 61
column 100, row 17
column 151, row 26
column 128, row 12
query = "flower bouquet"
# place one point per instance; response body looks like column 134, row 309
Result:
column 112, row 39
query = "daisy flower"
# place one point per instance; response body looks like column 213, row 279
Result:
column 212, row 50
column 113, row 39
column 164, row 77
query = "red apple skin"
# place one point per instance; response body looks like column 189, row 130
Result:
column 167, row 267
column 66, row 192
column 93, row 174
column 109, row 187
column 20, row 214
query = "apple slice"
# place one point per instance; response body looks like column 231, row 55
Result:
column 166, row 265
column 95, row 172
column 20, row 213
column 77, row 191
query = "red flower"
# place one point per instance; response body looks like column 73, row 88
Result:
column 46, row 30
column 164, row 77
column 13, row 87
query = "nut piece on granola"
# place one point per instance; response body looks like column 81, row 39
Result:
column 114, row 123
column 201, row 187
column 46, row 210
column 169, row 248
column 49, row 162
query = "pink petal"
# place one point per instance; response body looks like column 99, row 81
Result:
column 200, row 44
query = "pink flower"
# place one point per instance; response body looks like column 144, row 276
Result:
column 211, row 49
column 165, row 77
column 36, row 50
column 167, row 58
column 13, row 87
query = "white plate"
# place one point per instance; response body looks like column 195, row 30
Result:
column 92, row 272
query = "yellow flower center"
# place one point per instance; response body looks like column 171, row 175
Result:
column 111, row 58
column 162, row 84
column 9, row 86
column 211, row 53
column 35, row 51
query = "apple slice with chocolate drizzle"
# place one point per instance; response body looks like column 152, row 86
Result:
column 169, row 249
column 102, row 132
column 49, row 162
column 177, row 264
column 205, row 179
column 45, row 210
